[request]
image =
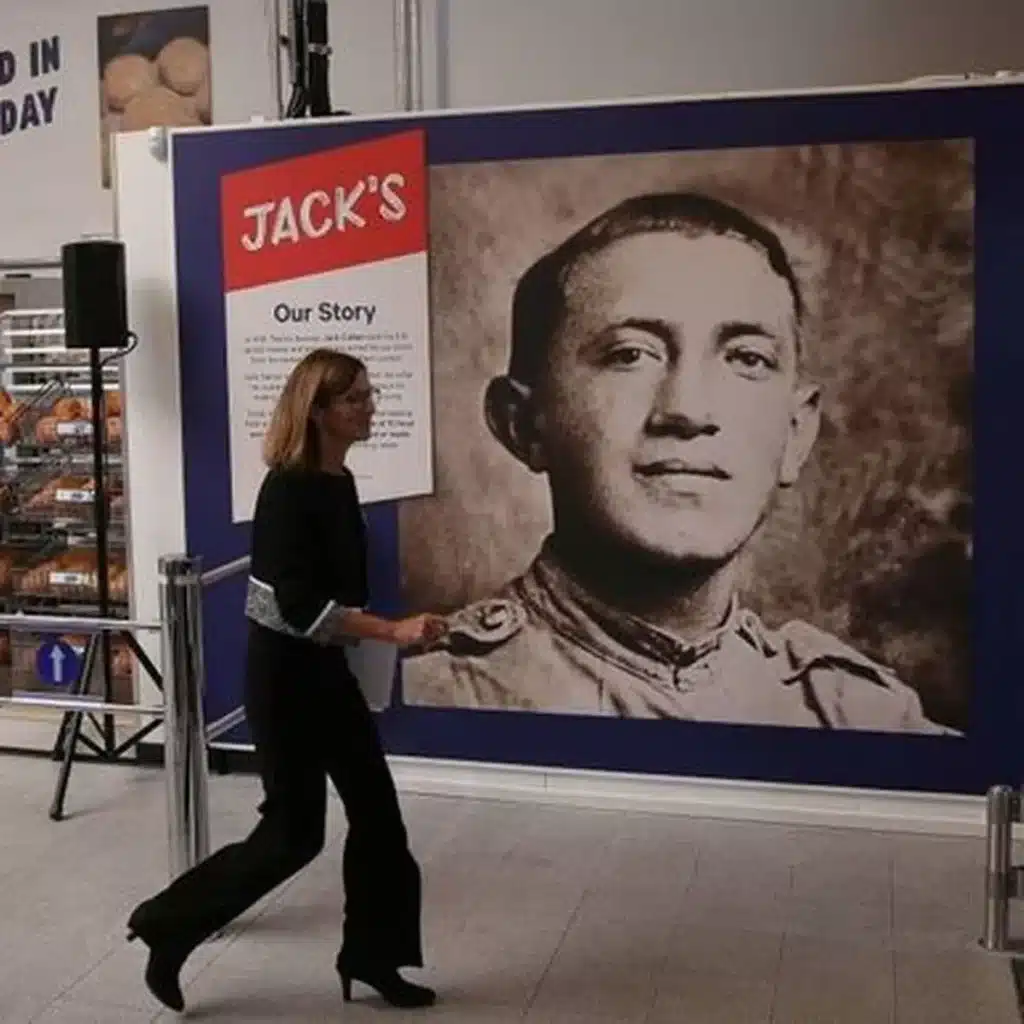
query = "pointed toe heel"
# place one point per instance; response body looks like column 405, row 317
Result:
column 390, row 986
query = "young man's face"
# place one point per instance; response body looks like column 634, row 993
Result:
column 671, row 408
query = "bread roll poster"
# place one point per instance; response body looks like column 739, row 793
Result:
column 154, row 71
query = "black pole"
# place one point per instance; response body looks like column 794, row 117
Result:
column 319, row 93
column 100, row 512
column 309, row 54
column 298, row 49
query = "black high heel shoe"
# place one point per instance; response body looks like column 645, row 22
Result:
column 163, row 968
column 389, row 984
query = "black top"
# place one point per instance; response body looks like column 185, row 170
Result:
column 309, row 544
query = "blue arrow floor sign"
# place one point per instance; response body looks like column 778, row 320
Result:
column 57, row 663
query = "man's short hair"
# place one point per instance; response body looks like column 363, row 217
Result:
column 538, row 306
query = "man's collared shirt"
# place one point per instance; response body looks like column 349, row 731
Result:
column 545, row 644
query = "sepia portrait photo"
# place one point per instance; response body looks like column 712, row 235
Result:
column 704, row 436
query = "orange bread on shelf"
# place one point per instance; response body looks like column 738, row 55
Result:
column 69, row 409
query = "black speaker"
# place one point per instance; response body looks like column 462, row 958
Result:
column 95, row 300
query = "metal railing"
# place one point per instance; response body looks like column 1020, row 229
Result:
column 188, row 809
column 210, row 578
column 1004, row 881
column 183, row 681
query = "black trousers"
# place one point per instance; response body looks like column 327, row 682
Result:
column 309, row 721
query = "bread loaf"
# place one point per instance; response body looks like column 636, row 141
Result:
column 67, row 410
column 158, row 106
column 184, row 64
column 125, row 77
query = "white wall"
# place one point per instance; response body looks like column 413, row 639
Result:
column 363, row 63
column 498, row 52
column 50, row 175
column 538, row 51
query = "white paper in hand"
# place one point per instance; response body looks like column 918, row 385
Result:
column 373, row 664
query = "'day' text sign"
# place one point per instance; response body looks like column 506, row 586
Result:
column 330, row 249
column 28, row 93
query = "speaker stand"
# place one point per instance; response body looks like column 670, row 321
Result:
column 98, row 650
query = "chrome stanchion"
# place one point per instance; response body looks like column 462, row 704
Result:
column 184, row 728
column 1001, row 810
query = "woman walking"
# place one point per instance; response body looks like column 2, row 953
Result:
column 307, row 716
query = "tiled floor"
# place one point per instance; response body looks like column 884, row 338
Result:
column 540, row 915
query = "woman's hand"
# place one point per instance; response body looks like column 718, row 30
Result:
column 419, row 630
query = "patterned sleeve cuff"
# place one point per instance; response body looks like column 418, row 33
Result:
column 324, row 629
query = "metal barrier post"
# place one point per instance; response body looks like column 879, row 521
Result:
column 1000, row 812
column 185, row 765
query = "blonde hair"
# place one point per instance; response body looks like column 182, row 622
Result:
column 291, row 440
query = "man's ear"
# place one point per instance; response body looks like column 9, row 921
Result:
column 804, row 424
column 513, row 420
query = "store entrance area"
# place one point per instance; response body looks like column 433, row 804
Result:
column 545, row 915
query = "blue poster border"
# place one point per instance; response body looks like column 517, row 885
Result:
column 991, row 750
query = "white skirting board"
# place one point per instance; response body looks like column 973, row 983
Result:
column 769, row 803
column 933, row 814
column 724, row 799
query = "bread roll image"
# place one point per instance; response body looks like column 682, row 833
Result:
column 125, row 77
column 184, row 63
column 158, row 107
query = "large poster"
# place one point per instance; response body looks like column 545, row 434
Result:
column 712, row 492
column 330, row 250
column 704, row 437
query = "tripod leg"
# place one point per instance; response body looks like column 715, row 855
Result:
column 62, row 732
column 74, row 729
column 144, row 660
column 109, row 725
